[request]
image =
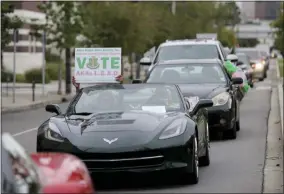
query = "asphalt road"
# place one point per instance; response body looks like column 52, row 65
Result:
column 236, row 165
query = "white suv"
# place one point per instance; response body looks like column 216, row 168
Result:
column 187, row 49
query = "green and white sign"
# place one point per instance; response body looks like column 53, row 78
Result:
column 97, row 65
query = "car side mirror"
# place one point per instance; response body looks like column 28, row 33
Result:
column 53, row 108
column 237, row 80
column 202, row 103
column 136, row 81
column 145, row 61
column 232, row 58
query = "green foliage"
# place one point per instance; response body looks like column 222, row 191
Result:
column 7, row 23
column 251, row 42
column 136, row 26
column 52, row 70
column 36, row 75
column 20, row 78
column 6, row 76
column 279, row 25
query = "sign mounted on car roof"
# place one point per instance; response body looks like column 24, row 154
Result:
column 207, row 36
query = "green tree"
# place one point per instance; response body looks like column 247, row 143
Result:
column 8, row 23
column 279, row 25
column 63, row 26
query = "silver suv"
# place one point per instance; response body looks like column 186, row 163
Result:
column 187, row 49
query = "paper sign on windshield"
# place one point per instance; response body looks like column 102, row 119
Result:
column 97, row 65
column 154, row 109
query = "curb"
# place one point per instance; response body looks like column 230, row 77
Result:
column 280, row 95
column 35, row 105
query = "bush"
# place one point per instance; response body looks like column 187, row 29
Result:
column 6, row 76
column 52, row 70
column 20, row 78
column 35, row 74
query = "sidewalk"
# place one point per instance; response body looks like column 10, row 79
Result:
column 24, row 102
column 280, row 94
column 23, row 96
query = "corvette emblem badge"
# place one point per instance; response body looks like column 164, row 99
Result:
column 110, row 141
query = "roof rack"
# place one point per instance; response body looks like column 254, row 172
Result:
column 179, row 40
column 206, row 36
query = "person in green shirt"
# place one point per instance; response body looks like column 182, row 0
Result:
column 234, row 71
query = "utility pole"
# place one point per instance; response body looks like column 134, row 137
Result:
column 174, row 7
column 15, row 38
column 43, row 54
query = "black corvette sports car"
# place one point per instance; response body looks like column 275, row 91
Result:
column 130, row 128
column 205, row 79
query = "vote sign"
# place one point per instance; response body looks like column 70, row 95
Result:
column 97, row 65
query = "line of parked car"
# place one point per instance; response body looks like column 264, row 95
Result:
column 159, row 124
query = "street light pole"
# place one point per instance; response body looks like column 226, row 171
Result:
column 14, row 63
column 43, row 54
column 173, row 7
column 43, row 62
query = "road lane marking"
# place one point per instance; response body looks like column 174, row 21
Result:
column 23, row 132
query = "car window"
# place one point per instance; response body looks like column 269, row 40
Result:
column 187, row 74
column 96, row 99
column 187, row 52
column 253, row 54
column 243, row 58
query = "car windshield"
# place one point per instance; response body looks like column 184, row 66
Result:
column 187, row 52
column 187, row 74
column 254, row 55
column 158, row 98
column 243, row 58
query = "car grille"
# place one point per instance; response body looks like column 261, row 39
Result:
column 121, row 160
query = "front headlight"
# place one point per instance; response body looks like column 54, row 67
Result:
column 258, row 66
column 174, row 129
column 221, row 99
column 53, row 133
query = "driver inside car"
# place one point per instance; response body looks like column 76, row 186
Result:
column 160, row 97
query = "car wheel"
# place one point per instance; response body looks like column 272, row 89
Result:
column 238, row 127
column 192, row 177
column 231, row 133
column 205, row 160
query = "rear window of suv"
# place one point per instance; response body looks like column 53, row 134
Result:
column 175, row 52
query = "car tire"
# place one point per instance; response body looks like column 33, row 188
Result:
column 205, row 160
column 231, row 133
column 238, row 126
column 192, row 177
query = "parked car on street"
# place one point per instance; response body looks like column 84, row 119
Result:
column 244, row 64
column 257, row 61
column 41, row 172
column 131, row 128
column 205, row 78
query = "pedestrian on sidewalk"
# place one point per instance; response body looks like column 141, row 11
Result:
column 77, row 85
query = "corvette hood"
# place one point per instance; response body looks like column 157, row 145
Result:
column 202, row 90
column 115, row 130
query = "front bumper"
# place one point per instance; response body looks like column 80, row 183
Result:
column 220, row 118
column 164, row 159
